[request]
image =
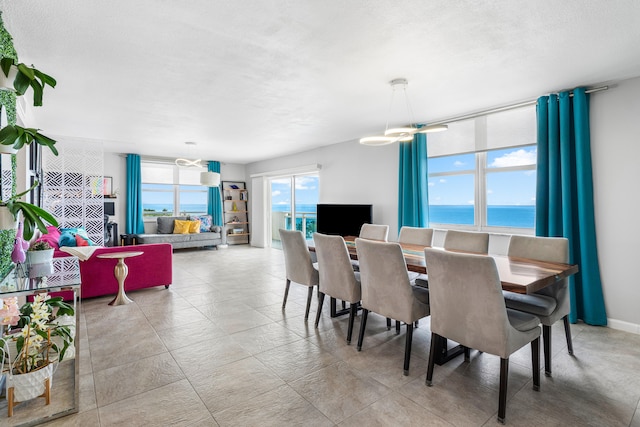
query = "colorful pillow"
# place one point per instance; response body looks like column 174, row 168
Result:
column 67, row 239
column 52, row 237
column 81, row 241
column 180, row 227
column 206, row 222
column 194, row 227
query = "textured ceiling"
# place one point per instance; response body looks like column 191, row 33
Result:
column 250, row 80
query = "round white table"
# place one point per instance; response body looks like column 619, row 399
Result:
column 120, row 271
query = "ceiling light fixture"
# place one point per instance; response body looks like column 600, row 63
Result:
column 208, row 179
column 400, row 134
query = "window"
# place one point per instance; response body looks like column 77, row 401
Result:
column 482, row 173
column 294, row 196
column 168, row 190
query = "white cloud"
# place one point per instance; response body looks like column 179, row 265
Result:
column 286, row 202
column 519, row 157
column 432, row 184
column 458, row 163
column 275, row 193
column 470, row 202
column 442, row 181
column 302, row 183
column 489, row 191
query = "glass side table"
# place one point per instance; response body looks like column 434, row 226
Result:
column 65, row 381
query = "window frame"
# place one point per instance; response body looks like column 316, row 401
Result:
column 175, row 189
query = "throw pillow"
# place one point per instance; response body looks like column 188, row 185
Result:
column 166, row 223
column 194, row 226
column 180, row 227
column 67, row 239
column 206, row 222
column 52, row 237
column 80, row 241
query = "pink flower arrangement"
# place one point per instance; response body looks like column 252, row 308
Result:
column 9, row 311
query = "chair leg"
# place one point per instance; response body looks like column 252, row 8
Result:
column 320, row 302
column 417, row 323
column 397, row 327
column 353, row 311
column 309, row 296
column 432, row 357
column 388, row 324
column 344, row 305
column 535, row 363
column 286, row 293
column 363, row 325
column 407, row 348
column 546, row 343
column 502, row 399
column 567, row 332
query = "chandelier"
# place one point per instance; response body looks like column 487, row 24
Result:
column 400, row 134
column 208, row 179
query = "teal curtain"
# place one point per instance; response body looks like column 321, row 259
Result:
column 215, row 200
column 564, row 198
column 134, row 224
column 413, row 198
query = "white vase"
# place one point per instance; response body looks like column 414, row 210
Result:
column 7, row 221
column 7, row 149
column 40, row 257
column 30, row 385
column 7, row 82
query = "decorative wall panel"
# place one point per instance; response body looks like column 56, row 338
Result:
column 72, row 186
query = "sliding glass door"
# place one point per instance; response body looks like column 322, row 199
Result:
column 293, row 205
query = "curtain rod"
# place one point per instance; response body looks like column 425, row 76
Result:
column 504, row 108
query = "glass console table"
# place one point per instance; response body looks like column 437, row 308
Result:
column 65, row 385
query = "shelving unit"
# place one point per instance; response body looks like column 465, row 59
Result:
column 235, row 199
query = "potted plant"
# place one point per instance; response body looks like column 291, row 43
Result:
column 16, row 137
column 19, row 77
column 40, row 252
column 32, row 349
column 32, row 216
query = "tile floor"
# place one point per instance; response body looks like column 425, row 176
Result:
column 216, row 349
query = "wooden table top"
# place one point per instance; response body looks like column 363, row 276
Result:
column 119, row 255
column 519, row 275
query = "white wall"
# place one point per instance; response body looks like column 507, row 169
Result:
column 115, row 166
column 615, row 152
column 352, row 173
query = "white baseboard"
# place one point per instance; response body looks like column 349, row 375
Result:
column 623, row 326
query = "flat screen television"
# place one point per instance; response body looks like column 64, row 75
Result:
column 343, row 220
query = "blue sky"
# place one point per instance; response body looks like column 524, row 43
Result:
column 503, row 188
column 306, row 190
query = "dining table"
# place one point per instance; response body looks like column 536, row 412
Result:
column 521, row 275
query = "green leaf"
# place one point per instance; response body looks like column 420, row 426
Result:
column 8, row 135
column 27, row 71
column 5, row 64
column 45, row 79
column 21, row 84
column 37, row 93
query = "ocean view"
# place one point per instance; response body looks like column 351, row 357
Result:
column 497, row 216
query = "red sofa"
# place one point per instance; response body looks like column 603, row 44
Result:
column 153, row 268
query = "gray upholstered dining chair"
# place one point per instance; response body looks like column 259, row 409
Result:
column 467, row 306
column 371, row 232
column 417, row 236
column 386, row 289
column 467, row 241
column 337, row 278
column 551, row 303
column 374, row 232
column 298, row 265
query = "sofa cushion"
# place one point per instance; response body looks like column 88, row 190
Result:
column 203, row 237
column 180, row 227
column 206, row 222
column 165, row 223
column 194, row 226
